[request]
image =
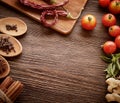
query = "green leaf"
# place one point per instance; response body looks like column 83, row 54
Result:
column 117, row 55
column 114, row 58
column 116, row 72
column 106, row 59
column 113, row 69
column 109, row 70
column 118, row 64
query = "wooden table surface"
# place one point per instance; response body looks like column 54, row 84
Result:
column 60, row 69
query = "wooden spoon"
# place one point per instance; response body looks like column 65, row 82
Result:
column 21, row 27
column 6, row 70
column 16, row 44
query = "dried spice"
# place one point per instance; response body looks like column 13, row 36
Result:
column 11, row 27
column 3, row 66
column 10, row 90
column 6, row 45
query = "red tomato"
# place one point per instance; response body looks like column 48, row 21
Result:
column 104, row 3
column 117, row 41
column 114, row 7
column 114, row 30
column 109, row 47
column 108, row 20
column 88, row 22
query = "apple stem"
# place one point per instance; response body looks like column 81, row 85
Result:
column 89, row 18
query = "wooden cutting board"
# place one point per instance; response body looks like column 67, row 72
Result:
column 63, row 25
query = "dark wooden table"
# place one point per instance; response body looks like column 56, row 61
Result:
column 60, row 69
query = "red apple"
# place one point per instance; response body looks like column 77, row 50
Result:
column 88, row 22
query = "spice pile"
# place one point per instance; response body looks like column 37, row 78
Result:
column 9, row 47
column 4, row 66
column 11, row 27
column 5, row 45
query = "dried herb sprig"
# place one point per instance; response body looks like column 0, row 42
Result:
column 113, row 68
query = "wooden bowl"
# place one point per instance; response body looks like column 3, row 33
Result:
column 6, row 71
column 12, row 21
column 16, row 44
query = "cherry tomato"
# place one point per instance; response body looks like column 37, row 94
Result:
column 88, row 22
column 104, row 3
column 114, row 7
column 117, row 41
column 108, row 20
column 114, row 30
column 109, row 47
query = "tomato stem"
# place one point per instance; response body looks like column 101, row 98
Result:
column 110, row 16
column 111, row 29
column 117, row 3
column 89, row 19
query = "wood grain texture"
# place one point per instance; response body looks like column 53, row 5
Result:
column 63, row 25
column 60, row 69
